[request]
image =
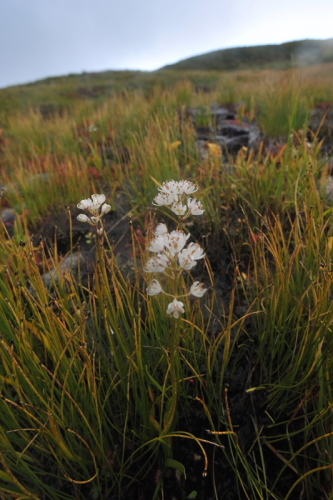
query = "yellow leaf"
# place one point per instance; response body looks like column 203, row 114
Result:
column 151, row 395
column 60, row 441
column 330, row 243
column 154, row 423
column 175, row 145
column 39, row 334
column 154, row 180
column 214, row 150
column 172, row 145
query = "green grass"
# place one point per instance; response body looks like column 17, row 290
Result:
column 105, row 397
column 285, row 55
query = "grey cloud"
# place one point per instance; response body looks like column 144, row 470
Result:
column 39, row 38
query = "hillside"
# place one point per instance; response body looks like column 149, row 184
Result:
column 58, row 94
column 205, row 72
column 286, row 55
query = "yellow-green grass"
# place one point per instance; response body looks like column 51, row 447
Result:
column 94, row 401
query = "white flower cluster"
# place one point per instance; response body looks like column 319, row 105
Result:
column 96, row 206
column 170, row 248
column 173, row 194
column 171, row 254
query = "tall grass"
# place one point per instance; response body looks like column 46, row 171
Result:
column 89, row 404
column 283, row 107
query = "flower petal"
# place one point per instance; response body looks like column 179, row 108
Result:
column 160, row 229
column 98, row 198
column 197, row 289
column 157, row 244
column 175, row 307
column 178, row 208
column 156, row 264
column 195, row 206
column 84, row 204
column 187, row 187
column 194, row 251
column 163, row 199
column 154, row 288
column 177, row 241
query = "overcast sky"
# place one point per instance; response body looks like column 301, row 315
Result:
column 40, row 38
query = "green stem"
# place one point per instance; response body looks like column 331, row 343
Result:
column 174, row 369
column 174, row 364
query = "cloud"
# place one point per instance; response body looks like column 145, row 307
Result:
column 40, row 38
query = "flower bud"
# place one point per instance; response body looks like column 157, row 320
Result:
column 105, row 209
column 83, row 218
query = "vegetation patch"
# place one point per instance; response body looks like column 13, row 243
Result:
column 165, row 291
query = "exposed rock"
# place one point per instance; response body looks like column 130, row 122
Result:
column 235, row 142
column 220, row 114
column 78, row 266
column 8, row 217
column 219, row 125
column 203, row 133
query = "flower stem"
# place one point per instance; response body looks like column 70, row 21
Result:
column 170, row 416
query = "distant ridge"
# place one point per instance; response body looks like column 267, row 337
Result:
column 285, row 55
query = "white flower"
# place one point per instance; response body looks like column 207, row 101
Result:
column 184, row 261
column 197, row 289
column 154, row 288
column 160, row 229
column 188, row 256
column 158, row 244
column 177, row 241
column 178, row 187
column 157, row 264
column 164, row 199
column 163, row 257
column 194, row 251
column 93, row 205
column 187, row 187
column 83, row 218
column 178, row 208
column 94, row 208
column 168, row 187
column 85, row 204
column 98, row 198
column 195, row 207
column 105, row 209
column 100, row 231
column 175, row 308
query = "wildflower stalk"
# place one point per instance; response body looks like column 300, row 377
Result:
column 97, row 208
column 171, row 259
